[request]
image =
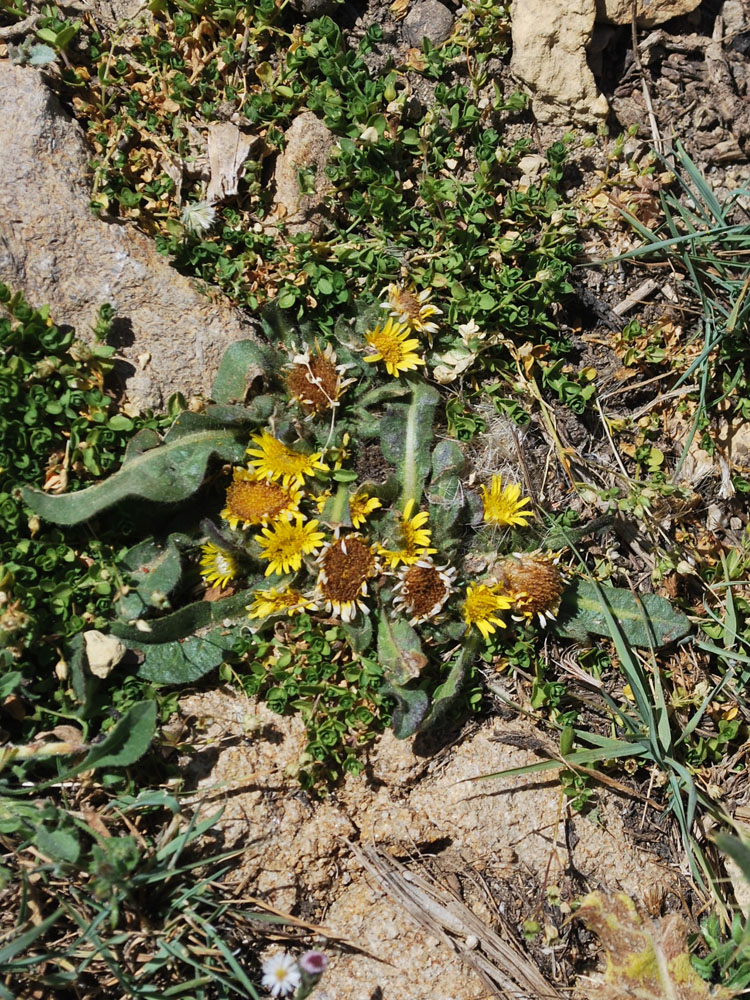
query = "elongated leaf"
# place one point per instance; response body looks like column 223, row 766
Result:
column 166, row 474
column 156, row 569
column 127, row 742
column 187, row 620
column 399, row 650
column 58, row 845
column 446, row 496
column 187, row 660
column 17, row 946
column 645, row 621
column 406, row 439
column 446, row 693
column 244, row 362
column 411, row 708
column 359, row 633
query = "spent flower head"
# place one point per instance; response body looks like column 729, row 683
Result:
column 411, row 307
column 198, row 216
column 315, row 380
column 534, row 582
column 346, row 564
column 393, row 346
column 281, row 974
column 422, row 589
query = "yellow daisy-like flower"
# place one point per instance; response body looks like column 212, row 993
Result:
column 422, row 590
column 481, row 606
column 218, row 567
column 254, row 500
column 415, row 539
column 272, row 601
column 315, row 380
column 393, row 346
column 533, row 582
column 413, row 308
column 346, row 564
column 502, row 504
column 274, row 460
column 360, row 508
column 286, row 542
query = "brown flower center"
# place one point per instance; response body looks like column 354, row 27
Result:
column 423, row 589
column 535, row 583
column 256, row 501
column 408, row 303
column 346, row 566
column 315, row 385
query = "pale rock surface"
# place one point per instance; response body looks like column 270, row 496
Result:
column 308, row 145
column 427, row 19
column 648, row 12
column 505, row 832
column 549, row 56
column 57, row 252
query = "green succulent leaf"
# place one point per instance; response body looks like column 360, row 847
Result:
column 399, row 650
column 166, row 474
column 646, row 620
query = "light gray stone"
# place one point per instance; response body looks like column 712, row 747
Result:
column 648, row 13
column 307, row 150
column 427, row 19
column 52, row 247
column 549, row 56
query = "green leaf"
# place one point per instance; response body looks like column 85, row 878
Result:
column 57, row 845
column 446, row 495
column 187, row 660
column 157, row 570
column 359, row 633
column 167, row 474
column 646, row 620
column 399, row 650
column 20, row 944
column 244, row 362
column 406, row 439
column 187, row 620
column 127, row 742
column 411, row 708
column 446, row 693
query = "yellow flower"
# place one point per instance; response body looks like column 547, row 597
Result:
column 415, row 539
column 277, row 461
column 413, row 308
column 346, row 564
column 360, row 508
column 315, row 380
column 392, row 344
column 422, row 590
column 254, row 500
column 481, row 606
column 533, row 582
column 218, row 566
column 286, row 542
column 272, row 601
column 502, row 504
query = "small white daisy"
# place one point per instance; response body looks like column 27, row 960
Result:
column 281, row 974
column 198, row 216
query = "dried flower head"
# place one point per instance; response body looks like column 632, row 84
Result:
column 315, row 380
column 392, row 345
column 481, row 607
column 198, row 216
column 414, row 539
column 422, row 590
column 346, row 564
column 285, row 544
column 252, row 499
column 275, row 460
column 272, row 601
column 411, row 307
column 533, row 582
column 218, row 566
column 502, row 504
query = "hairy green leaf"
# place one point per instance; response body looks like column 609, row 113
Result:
column 244, row 362
column 399, row 650
column 406, row 439
column 645, row 620
column 187, row 660
column 127, row 742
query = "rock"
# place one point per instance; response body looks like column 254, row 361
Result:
column 427, row 19
column 54, row 250
column 313, row 8
column 308, row 147
column 228, row 148
column 648, row 12
column 549, row 56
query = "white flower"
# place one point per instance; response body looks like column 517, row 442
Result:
column 281, row 974
column 198, row 216
column 470, row 331
column 369, row 135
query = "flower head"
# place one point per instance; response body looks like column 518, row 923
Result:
column 413, row 308
column 198, row 216
column 393, row 346
column 281, row 974
column 218, row 566
column 481, row 606
column 533, row 582
column 286, row 542
column 502, row 504
column 272, row 601
column 361, row 506
column 315, row 380
column 346, row 564
column 422, row 589
column 275, row 460
column 314, row 963
column 253, row 500
column 414, row 539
